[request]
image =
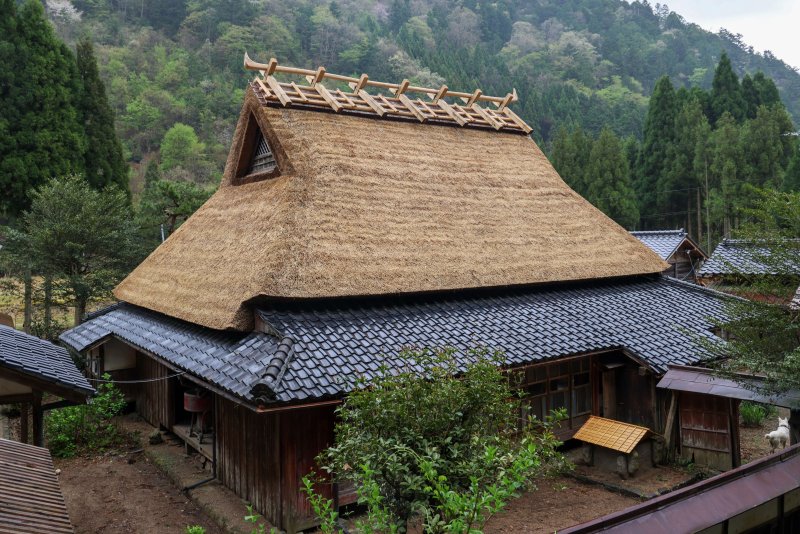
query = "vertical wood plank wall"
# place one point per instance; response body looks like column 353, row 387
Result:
column 154, row 399
column 262, row 458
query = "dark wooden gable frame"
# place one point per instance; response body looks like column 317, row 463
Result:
column 251, row 130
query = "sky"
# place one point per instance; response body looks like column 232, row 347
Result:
column 764, row 24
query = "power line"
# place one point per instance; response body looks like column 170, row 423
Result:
column 142, row 381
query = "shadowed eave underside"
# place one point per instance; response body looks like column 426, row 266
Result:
column 362, row 207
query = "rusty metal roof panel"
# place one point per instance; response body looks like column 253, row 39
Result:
column 30, row 496
column 706, row 503
column 701, row 380
column 616, row 435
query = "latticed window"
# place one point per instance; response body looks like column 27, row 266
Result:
column 263, row 160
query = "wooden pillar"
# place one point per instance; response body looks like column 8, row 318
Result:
column 38, row 419
column 23, row 422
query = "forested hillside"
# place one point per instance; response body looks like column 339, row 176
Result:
column 592, row 63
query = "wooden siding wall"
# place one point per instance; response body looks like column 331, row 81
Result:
column 262, row 458
column 708, row 432
column 154, row 399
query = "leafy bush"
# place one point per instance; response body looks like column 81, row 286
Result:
column 754, row 413
column 195, row 529
column 87, row 427
column 435, row 442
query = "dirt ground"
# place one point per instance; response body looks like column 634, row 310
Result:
column 752, row 442
column 110, row 495
column 557, row 503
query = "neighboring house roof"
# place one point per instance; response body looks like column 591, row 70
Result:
column 30, row 496
column 707, row 382
column 738, row 256
column 366, row 207
column 320, row 352
column 41, row 360
column 710, row 502
column 665, row 242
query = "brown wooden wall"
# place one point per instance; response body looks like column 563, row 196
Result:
column 262, row 458
column 709, row 430
column 154, row 399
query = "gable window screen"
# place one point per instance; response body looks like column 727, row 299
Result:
column 263, row 159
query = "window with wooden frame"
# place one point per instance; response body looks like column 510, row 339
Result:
column 257, row 159
column 548, row 387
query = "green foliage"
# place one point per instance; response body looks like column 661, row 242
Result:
column 764, row 335
column 180, row 147
column 754, row 413
column 726, row 93
column 169, row 203
column 195, row 529
column 254, row 519
column 82, row 237
column 104, row 162
column 608, row 180
column 659, row 134
column 87, row 427
column 436, row 441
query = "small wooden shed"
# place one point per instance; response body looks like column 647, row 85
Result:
column 30, row 367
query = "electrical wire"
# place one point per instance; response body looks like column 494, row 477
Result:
column 142, row 381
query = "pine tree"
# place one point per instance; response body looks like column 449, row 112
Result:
column 727, row 160
column 656, row 150
column 767, row 91
column 608, row 179
column 40, row 134
column 765, row 155
column 104, row 162
column 791, row 179
column 751, row 97
column 726, row 93
column 570, row 155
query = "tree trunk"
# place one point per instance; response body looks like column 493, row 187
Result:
column 48, row 303
column 699, row 219
column 80, row 310
column 28, row 302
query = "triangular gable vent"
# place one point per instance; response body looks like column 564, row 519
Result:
column 263, row 159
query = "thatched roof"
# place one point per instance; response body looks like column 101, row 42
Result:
column 362, row 206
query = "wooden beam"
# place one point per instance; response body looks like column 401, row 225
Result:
column 371, row 102
column 388, row 104
column 453, row 113
column 279, row 92
column 23, row 420
column 412, row 107
column 317, row 77
column 494, row 123
column 673, row 407
column 516, row 120
column 402, row 88
column 324, row 93
column 38, row 419
column 473, row 98
column 264, row 88
column 360, row 84
column 350, row 104
column 299, row 92
column 440, row 94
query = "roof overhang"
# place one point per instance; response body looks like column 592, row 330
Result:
column 743, row 387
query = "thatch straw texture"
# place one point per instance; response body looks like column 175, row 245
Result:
column 373, row 207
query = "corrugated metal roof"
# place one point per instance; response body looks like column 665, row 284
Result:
column 30, row 496
column 707, row 503
column 616, row 435
column 701, row 380
column 41, row 359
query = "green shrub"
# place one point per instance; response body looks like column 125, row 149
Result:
column 754, row 413
column 195, row 529
column 87, row 427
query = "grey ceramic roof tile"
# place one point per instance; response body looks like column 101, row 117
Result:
column 40, row 359
column 662, row 242
column 736, row 256
column 323, row 352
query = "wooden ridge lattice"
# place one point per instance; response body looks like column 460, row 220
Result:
column 616, row 435
column 427, row 104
